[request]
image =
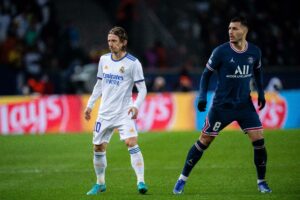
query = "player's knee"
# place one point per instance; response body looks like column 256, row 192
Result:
column 255, row 135
column 206, row 139
column 100, row 148
column 131, row 142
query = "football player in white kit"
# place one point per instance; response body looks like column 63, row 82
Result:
column 118, row 72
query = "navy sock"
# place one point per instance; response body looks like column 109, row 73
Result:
column 193, row 157
column 260, row 158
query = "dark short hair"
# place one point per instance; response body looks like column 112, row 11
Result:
column 120, row 32
column 243, row 20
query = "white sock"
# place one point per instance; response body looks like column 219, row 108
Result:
column 137, row 162
column 260, row 180
column 100, row 164
column 182, row 177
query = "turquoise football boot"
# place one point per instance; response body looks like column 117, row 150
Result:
column 142, row 188
column 96, row 189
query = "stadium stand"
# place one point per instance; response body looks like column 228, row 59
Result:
column 52, row 46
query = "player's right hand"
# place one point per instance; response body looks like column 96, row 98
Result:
column 202, row 105
column 87, row 113
column 261, row 102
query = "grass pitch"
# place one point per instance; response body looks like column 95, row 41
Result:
column 42, row 167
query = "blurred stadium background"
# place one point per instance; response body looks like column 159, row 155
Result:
column 53, row 46
column 49, row 50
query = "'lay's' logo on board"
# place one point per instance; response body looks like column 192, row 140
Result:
column 274, row 113
column 156, row 113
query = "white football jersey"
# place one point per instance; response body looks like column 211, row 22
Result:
column 118, row 78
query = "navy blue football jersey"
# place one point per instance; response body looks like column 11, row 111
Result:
column 235, row 70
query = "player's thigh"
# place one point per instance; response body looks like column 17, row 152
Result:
column 216, row 120
column 127, row 128
column 249, row 121
column 103, row 131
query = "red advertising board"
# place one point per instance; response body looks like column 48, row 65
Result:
column 41, row 114
column 273, row 115
column 157, row 112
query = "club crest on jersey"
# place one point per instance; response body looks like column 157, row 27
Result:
column 105, row 67
column 250, row 60
column 122, row 69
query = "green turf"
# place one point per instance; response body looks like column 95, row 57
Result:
column 60, row 167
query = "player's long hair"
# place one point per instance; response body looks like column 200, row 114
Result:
column 121, row 33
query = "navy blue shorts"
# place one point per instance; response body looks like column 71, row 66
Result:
column 220, row 116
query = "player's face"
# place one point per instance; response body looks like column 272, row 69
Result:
column 237, row 32
column 114, row 43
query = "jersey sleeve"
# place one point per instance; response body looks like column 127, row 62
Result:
column 258, row 75
column 138, row 75
column 257, row 63
column 214, row 60
column 100, row 69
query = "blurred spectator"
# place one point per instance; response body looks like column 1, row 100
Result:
column 159, row 84
column 32, row 62
column 71, row 34
column 156, row 56
column 274, row 85
column 185, row 83
column 5, row 20
column 185, row 80
column 127, row 14
column 39, row 85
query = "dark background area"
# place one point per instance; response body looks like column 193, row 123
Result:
column 53, row 46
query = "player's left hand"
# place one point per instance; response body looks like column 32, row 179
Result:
column 261, row 102
column 134, row 112
column 202, row 106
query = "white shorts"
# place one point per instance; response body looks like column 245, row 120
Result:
column 104, row 129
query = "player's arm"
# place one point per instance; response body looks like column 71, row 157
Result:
column 142, row 92
column 139, row 81
column 204, row 82
column 212, row 64
column 97, row 91
column 259, row 87
column 258, row 77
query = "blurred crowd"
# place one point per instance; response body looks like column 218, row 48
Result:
column 43, row 55
column 37, row 51
column 200, row 26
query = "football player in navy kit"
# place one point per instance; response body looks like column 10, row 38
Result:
column 235, row 62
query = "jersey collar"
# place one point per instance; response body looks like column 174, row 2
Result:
column 119, row 59
column 237, row 51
